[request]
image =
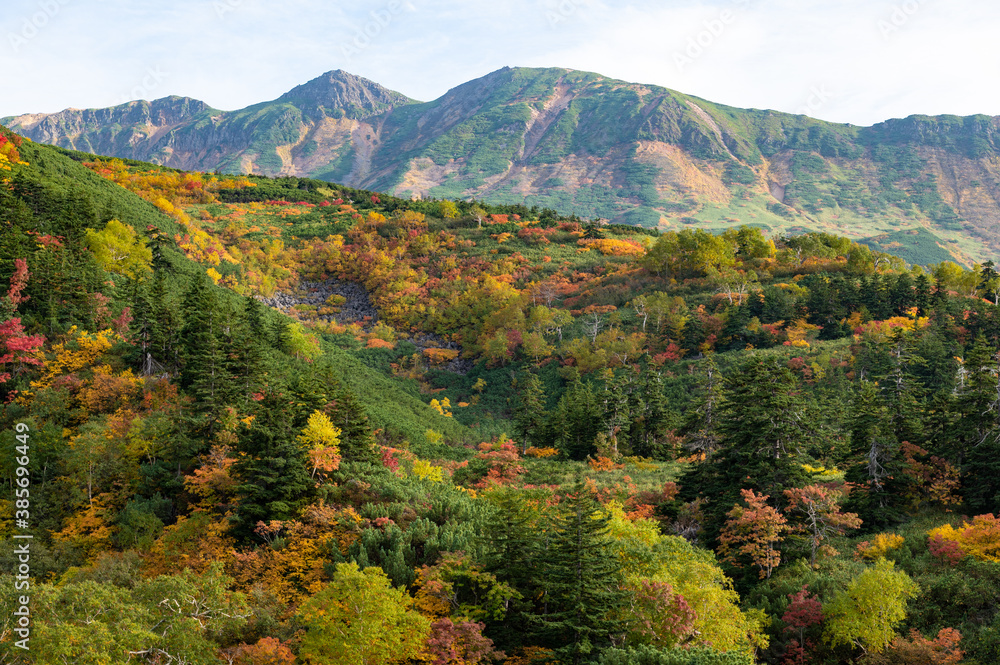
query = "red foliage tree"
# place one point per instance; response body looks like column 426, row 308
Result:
column 504, row 463
column 660, row 615
column 754, row 531
column 804, row 611
column 459, row 643
column 17, row 350
column 267, row 651
column 918, row 650
column 936, row 479
column 948, row 552
column 18, row 281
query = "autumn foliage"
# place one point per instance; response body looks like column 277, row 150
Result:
column 980, row 539
column 418, row 534
column 754, row 532
column 804, row 612
column 817, row 513
column 919, row 650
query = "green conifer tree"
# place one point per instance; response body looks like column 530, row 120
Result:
column 576, row 420
column 513, row 547
column 166, row 325
column 654, row 417
column 616, row 409
column 357, row 438
column 763, row 424
column 700, row 426
column 271, row 467
column 529, row 410
column 582, row 581
column 249, row 357
column 205, row 372
column 977, row 428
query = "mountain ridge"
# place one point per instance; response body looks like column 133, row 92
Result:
column 584, row 144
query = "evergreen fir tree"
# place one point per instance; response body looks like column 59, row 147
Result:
column 694, row 335
column 583, row 584
column 271, row 468
column 616, row 411
column 901, row 391
column 901, row 295
column 654, row 418
column 933, row 363
column 250, row 353
column 576, row 420
column 875, row 464
column 922, row 294
column 165, row 326
column 875, row 297
column 357, row 439
column 529, row 410
column 735, row 333
column 977, row 428
column 763, row 421
column 700, row 425
column 205, row 369
column 514, row 546
column 940, row 420
column 939, row 298
column 141, row 330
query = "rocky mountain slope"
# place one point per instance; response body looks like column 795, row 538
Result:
column 579, row 142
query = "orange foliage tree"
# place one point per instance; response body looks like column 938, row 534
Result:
column 918, row 650
column 817, row 510
column 754, row 531
column 267, row 651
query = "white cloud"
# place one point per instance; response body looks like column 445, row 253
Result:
column 869, row 60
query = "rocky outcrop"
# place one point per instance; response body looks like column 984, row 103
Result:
column 357, row 307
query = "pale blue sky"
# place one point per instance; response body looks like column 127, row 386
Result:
column 858, row 61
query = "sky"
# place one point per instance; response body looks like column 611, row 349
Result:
column 854, row 61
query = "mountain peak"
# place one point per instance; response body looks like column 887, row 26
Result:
column 356, row 96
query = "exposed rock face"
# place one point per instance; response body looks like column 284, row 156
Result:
column 357, row 308
column 134, row 130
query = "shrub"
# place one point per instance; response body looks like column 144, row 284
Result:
column 879, row 546
column 980, row 539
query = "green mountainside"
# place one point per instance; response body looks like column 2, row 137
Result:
column 581, row 143
column 57, row 186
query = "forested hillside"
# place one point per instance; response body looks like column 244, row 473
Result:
column 275, row 421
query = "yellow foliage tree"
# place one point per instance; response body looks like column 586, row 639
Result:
column 88, row 529
column 648, row 555
column 119, row 250
column 82, row 350
column 447, row 210
column 426, row 471
column 443, row 407
column 322, row 439
column 879, row 546
column 301, row 344
column 361, row 618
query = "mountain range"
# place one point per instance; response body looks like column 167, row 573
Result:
column 925, row 188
